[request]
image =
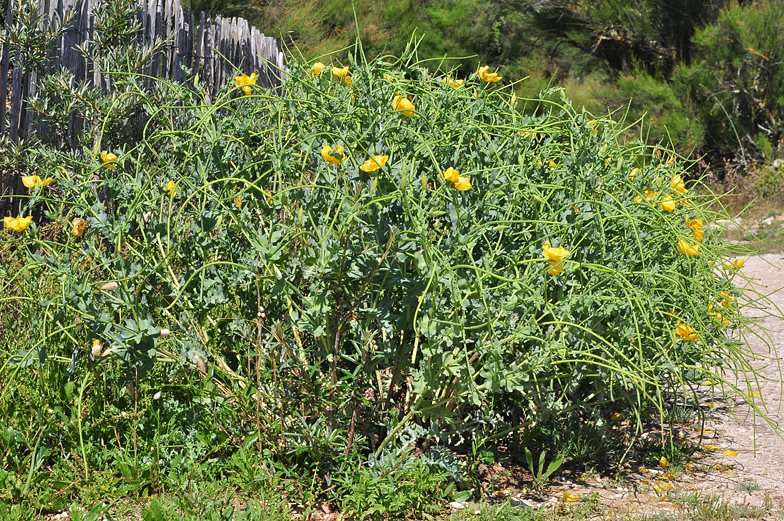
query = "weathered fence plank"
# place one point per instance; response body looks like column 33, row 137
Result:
column 214, row 48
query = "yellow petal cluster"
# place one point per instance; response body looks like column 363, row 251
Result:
column 331, row 154
column 245, row 82
column 340, row 73
column 170, row 188
column 555, row 256
column 78, row 225
column 374, row 163
column 686, row 332
column 108, row 159
column 727, row 299
column 316, row 69
column 593, row 126
column 687, row 248
column 450, row 174
column 489, row 77
column 717, row 315
column 678, row 184
column 463, row 183
column 17, row 224
column 667, row 203
column 33, row 180
column 403, row 105
column 453, row 83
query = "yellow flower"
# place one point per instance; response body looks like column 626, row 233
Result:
column 650, row 195
column 78, row 227
column 17, row 224
column 730, row 453
column 450, row 174
column 488, row 76
column 568, row 497
column 348, row 82
column 452, row 83
column 238, row 202
column 727, row 299
column 694, row 224
column 325, row 153
column 32, row 180
column 108, row 158
column 686, row 332
column 635, row 172
column 245, row 82
column 617, row 417
column 667, row 203
column 555, row 256
column 677, row 184
column 374, row 163
column 664, row 462
column 340, row 73
column 316, row 69
column 463, row 183
column 171, row 188
column 551, row 165
column 403, row 105
column 687, row 248
column 738, row 263
column 387, row 76
column 593, row 126
column 698, row 234
column 638, row 199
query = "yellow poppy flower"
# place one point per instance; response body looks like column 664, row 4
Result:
column 326, row 154
column 551, row 165
column 694, row 224
column 347, row 80
column 245, row 82
column 316, row 69
column 617, row 417
column 717, row 315
column 463, row 183
column 453, row 83
column 374, row 163
column 32, row 180
column 17, row 224
column 650, row 195
column 238, row 202
column 555, row 256
column 687, row 248
column 593, row 126
column 667, row 203
column 403, row 105
column 698, row 234
column 171, row 188
column 450, row 174
column 340, row 73
column 686, row 331
column 638, row 199
column 78, row 227
column 489, row 77
column 677, row 184
column 108, row 158
column 635, row 172
column 727, row 299
column 738, row 263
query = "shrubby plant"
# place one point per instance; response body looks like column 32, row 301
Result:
column 378, row 259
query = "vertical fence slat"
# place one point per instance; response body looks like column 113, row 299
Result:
column 214, row 48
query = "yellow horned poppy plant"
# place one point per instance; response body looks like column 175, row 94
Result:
column 18, row 224
column 463, row 183
column 489, row 77
column 108, row 158
column 32, row 180
column 687, row 248
column 687, row 332
column 403, row 105
column 667, row 203
column 374, row 163
column 245, row 82
column 340, row 73
column 316, row 69
column 450, row 174
column 78, row 227
column 555, row 256
column 327, row 153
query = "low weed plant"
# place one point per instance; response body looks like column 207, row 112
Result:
column 353, row 280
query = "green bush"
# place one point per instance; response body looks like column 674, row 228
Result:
column 318, row 256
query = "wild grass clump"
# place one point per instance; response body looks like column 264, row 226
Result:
column 376, row 262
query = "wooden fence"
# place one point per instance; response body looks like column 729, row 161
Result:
column 214, row 48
